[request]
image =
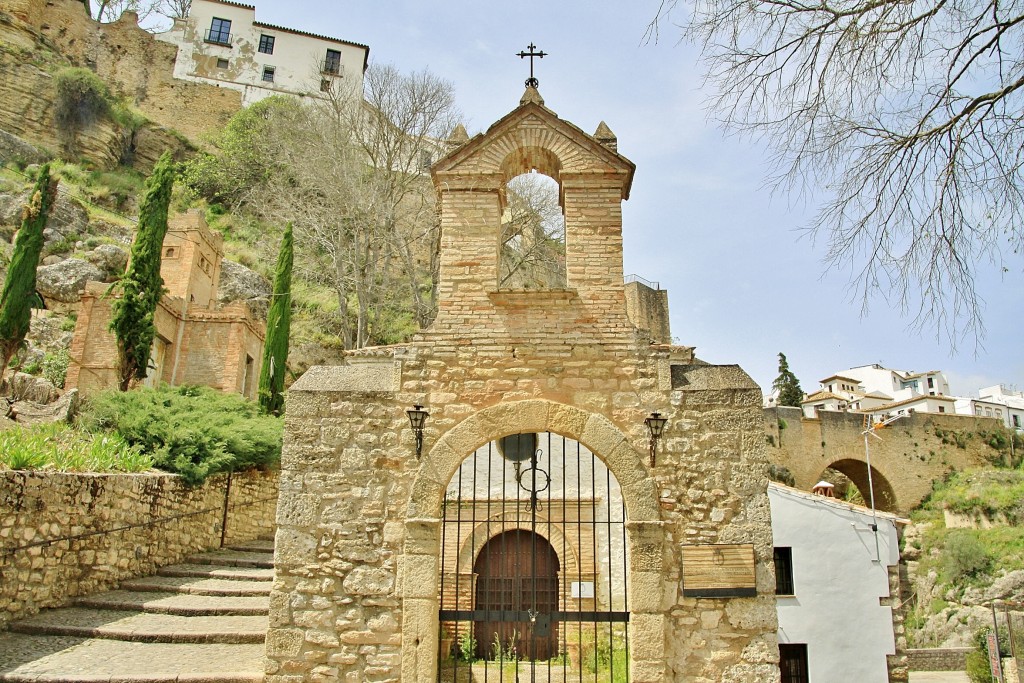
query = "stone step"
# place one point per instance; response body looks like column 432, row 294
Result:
column 197, row 586
column 183, row 604
column 214, row 572
column 144, row 627
column 234, row 558
column 65, row 659
column 260, row 545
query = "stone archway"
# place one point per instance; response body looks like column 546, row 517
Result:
column 644, row 531
column 857, row 472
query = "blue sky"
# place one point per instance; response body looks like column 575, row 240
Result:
column 743, row 281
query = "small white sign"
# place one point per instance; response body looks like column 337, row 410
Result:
column 582, row 589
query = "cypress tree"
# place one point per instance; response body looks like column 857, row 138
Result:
column 141, row 286
column 20, row 283
column 788, row 386
column 275, row 349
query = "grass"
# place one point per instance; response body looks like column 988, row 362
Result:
column 62, row 448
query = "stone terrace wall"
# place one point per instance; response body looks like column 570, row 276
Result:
column 64, row 535
column 938, row 659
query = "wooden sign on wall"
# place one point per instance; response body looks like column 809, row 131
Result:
column 719, row 571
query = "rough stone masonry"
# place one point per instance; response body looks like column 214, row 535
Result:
column 355, row 597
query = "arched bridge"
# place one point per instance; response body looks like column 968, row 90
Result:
column 910, row 454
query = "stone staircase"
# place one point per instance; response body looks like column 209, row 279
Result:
column 203, row 621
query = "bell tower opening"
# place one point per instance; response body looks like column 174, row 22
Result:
column 532, row 234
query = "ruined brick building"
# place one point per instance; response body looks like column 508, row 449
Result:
column 198, row 341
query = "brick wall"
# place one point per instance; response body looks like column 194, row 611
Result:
column 63, row 535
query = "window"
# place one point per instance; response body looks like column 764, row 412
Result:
column 220, row 32
column 784, row 571
column 325, row 85
column 999, row 412
column 977, row 410
column 942, row 409
column 1016, row 420
column 332, row 65
column 222, row 63
column 931, row 383
column 268, row 74
column 793, row 662
column 169, row 252
column 426, row 159
column 267, row 44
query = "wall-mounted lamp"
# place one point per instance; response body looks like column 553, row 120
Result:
column 656, row 425
column 417, row 418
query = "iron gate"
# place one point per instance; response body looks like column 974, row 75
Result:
column 533, row 566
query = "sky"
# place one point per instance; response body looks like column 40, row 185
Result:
column 744, row 281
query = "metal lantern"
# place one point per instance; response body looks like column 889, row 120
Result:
column 417, row 418
column 656, row 425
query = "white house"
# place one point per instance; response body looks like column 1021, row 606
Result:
column 880, row 391
column 998, row 402
column 832, row 586
column 221, row 43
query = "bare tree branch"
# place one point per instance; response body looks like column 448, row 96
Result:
column 905, row 114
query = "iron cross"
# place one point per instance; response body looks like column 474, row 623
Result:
column 532, row 82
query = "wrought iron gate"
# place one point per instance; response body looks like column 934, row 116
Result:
column 533, row 566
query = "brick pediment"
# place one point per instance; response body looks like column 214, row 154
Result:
column 532, row 137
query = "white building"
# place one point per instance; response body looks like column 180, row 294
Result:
column 880, row 391
column 221, row 43
column 832, row 583
column 998, row 402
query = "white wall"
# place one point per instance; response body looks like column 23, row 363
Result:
column 837, row 585
column 296, row 58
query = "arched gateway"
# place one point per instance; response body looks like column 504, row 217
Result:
column 378, row 568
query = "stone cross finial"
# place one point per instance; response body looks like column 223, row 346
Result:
column 532, row 95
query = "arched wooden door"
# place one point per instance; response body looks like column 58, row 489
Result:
column 517, row 582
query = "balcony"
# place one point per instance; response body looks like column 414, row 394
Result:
column 331, row 67
column 218, row 38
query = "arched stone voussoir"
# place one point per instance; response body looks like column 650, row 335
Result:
column 595, row 431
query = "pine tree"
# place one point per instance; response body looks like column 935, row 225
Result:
column 20, row 284
column 275, row 349
column 141, row 286
column 788, row 386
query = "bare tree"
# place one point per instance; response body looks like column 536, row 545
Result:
column 149, row 11
column 351, row 176
column 906, row 115
column 533, row 234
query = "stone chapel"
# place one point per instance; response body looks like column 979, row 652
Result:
column 536, row 525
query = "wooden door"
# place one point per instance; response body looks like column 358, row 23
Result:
column 517, row 575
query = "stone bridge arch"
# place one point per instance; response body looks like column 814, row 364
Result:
column 422, row 545
column 857, row 472
column 906, row 457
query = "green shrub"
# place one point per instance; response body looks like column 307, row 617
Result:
column 61, row 447
column 55, row 367
column 191, row 431
column 964, row 556
column 781, row 474
column 82, row 99
column 978, row 668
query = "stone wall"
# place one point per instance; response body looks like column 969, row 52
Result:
column 63, row 535
column 938, row 659
column 908, row 455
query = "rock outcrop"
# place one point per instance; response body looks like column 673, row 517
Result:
column 238, row 283
column 63, row 282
